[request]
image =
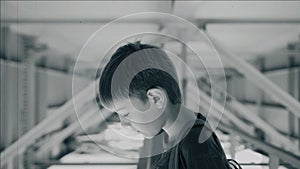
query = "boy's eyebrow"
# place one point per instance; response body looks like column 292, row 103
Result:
column 119, row 109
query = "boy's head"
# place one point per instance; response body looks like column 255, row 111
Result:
column 140, row 84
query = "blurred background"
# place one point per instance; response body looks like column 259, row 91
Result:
column 258, row 43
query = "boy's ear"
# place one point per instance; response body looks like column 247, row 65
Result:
column 156, row 97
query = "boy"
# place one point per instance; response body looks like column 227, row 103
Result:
column 141, row 85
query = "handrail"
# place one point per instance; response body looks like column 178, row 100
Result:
column 257, row 78
column 252, row 117
column 270, row 149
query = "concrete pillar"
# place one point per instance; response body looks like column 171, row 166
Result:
column 274, row 162
column 27, row 119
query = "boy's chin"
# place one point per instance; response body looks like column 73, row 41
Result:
column 148, row 137
column 151, row 136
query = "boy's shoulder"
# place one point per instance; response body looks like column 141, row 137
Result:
column 196, row 129
column 191, row 144
column 193, row 135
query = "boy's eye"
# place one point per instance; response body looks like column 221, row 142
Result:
column 125, row 115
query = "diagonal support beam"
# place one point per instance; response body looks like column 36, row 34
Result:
column 209, row 104
column 270, row 149
column 87, row 119
column 267, row 128
column 252, row 117
column 257, row 78
column 19, row 146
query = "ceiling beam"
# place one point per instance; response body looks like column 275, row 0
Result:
column 197, row 21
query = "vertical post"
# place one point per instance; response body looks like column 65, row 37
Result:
column 28, row 115
column 298, row 133
column 10, row 163
column 261, row 93
column 41, row 96
column 233, row 144
column 298, row 85
column 20, row 161
column 149, row 161
column 184, row 70
column 6, row 84
column 12, row 103
column 144, row 160
column 274, row 162
column 160, row 29
column 291, row 89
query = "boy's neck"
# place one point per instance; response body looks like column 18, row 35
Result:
column 175, row 125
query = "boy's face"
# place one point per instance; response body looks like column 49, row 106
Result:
column 146, row 118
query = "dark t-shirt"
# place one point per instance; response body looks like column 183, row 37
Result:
column 190, row 154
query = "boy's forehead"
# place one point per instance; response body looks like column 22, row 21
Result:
column 121, row 104
column 117, row 104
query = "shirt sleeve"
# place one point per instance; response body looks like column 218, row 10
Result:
column 206, row 155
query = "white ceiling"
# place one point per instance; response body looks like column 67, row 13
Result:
column 246, row 40
column 249, row 9
column 79, row 9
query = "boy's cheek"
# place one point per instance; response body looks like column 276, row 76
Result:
column 145, row 117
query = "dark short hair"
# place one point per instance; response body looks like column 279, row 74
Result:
column 144, row 80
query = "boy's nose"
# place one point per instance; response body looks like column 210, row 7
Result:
column 124, row 122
